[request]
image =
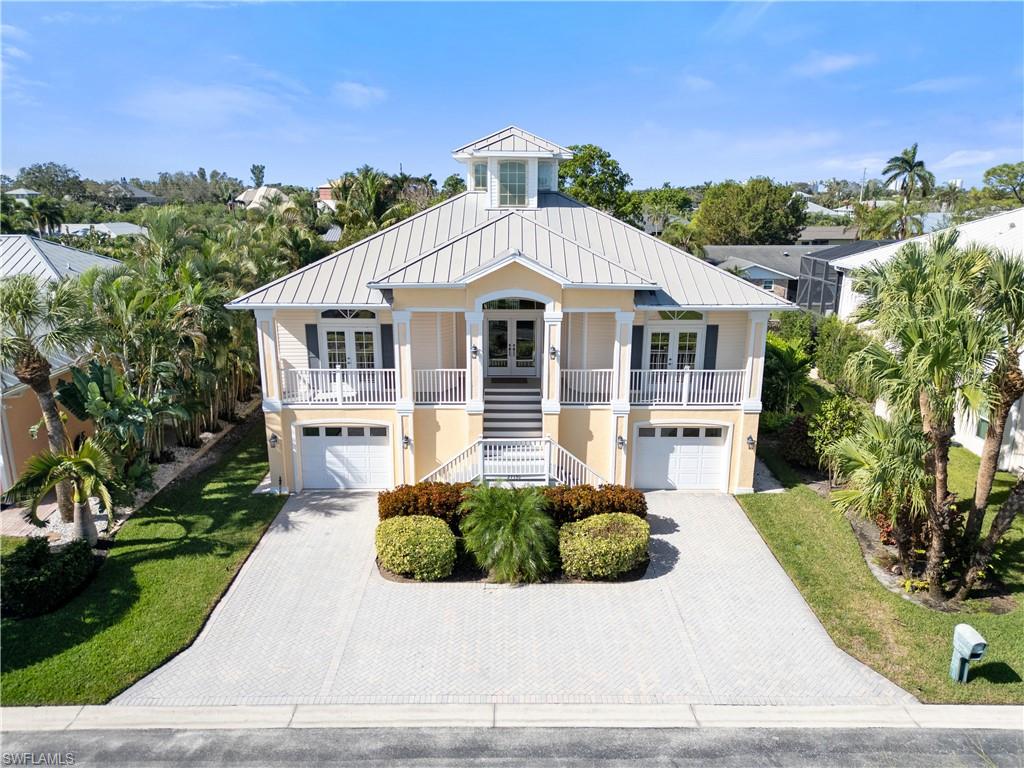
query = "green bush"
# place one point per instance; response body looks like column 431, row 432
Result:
column 418, row 546
column 568, row 504
column 773, row 421
column 509, row 532
column 603, row 546
column 34, row 580
column 796, row 446
column 799, row 328
column 838, row 417
column 442, row 500
column 837, row 341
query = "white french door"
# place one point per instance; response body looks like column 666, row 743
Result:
column 674, row 349
column 512, row 345
column 349, row 347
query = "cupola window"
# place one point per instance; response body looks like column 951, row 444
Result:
column 479, row 175
column 545, row 176
column 512, row 183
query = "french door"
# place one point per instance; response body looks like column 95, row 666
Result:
column 674, row 349
column 348, row 347
column 512, row 346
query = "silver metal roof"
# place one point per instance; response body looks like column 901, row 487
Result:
column 512, row 139
column 567, row 227
column 25, row 254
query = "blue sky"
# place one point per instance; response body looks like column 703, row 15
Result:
column 676, row 92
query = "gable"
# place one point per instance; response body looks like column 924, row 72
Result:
column 513, row 139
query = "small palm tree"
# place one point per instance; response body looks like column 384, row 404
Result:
column 46, row 213
column 38, row 320
column 87, row 469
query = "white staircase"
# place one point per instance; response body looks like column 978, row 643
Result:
column 536, row 461
column 512, row 409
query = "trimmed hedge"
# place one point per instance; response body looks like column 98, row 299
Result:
column 603, row 546
column 444, row 500
column 418, row 546
column 34, row 580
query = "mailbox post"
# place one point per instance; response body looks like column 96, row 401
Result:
column 968, row 646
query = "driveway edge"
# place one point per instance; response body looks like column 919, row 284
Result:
column 701, row 716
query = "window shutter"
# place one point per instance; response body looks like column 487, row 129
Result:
column 710, row 346
column 313, row 345
column 387, row 346
column 636, row 349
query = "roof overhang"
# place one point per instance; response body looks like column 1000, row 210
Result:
column 471, row 154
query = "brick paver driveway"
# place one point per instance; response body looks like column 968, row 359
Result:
column 715, row 620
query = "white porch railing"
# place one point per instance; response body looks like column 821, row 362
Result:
column 342, row 386
column 686, row 387
column 582, row 386
column 530, row 459
column 439, row 385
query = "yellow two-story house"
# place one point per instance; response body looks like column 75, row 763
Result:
column 511, row 332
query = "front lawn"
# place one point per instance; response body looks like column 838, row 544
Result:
column 907, row 643
column 169, row 566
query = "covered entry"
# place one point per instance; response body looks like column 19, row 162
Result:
column 691, row 457
column 357, row 456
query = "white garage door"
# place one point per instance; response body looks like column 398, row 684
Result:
column 346, row 457
column 690, row 458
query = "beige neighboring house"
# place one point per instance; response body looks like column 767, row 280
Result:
column 1004, row 231
column 25, row 254
column 511, row 332
column 260, row 197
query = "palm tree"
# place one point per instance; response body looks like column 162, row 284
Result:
column 36, row 321
column 87, row 470
column 14, row 217
column 46, row 213
column 909, row 174
column 786, row 368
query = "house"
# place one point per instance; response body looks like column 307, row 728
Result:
column 130, row 195
column 818, row 287
column 511, row 332
column 25, row 254
column 1004, row 231
column 22, row 195
column 831, row 234
column 260, row 197
column 108, row 228
column 821, row 210
column 774, row 268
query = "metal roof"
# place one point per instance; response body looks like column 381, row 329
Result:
column 734, row 263
column 111, row 228
column 828, row 232
column 566, row 227
column 512, row 139
column 784, row 259
column 25, row 254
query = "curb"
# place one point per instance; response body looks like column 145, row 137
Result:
column 701, row 716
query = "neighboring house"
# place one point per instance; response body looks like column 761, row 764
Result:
column 1004, row 231
column 818, row 286
column 22, row 195
column 771, row 267
column 108, row 228
column 511, row 332
column 826, row 235
column 129, row 195
column 260, row 197
column 821, row 210
column 25, row 254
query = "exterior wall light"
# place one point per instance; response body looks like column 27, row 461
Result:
column 474, row 351
column 553, row 353
column 273, row 441
column 406, row 441
column 750, row 442
column 620, row 441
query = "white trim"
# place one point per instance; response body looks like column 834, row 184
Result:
column 271, row 405
column 474, row 407
column 742, row 491
column 510, row 293
column 751, row 406
column 586, row 329
column 351, row 327
column 620, row 407
column 727, row 426
column 550, row 407
column 781, row 307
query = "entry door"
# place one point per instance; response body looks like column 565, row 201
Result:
column 350, row 348
column 512, row 347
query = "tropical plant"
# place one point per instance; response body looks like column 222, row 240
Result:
column 14, row 217
column 836, row 418
column 38, row 320
column 88, row 469
column 908, row 174
column 509, row 532
column 46, row 214
column 786, row 376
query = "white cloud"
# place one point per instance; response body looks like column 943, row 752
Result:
column 216, row 105
column 14, row 52
column 962, row 158
column 785, row 142
column 940, row 85
column 12, row 32
column 695, row 83
column 358, row 95
column 270, row 76
column 819, row 64
column 737, row 20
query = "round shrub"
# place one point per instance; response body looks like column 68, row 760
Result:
column 603, row 546
column 34, row 580
column 418, row 546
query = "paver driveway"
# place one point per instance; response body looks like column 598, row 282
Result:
column 715, row 620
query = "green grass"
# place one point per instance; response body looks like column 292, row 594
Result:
column 909, row 644
column 170, row 565
column 9, row 543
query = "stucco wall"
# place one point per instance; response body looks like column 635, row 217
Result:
column 439, row 434
column 587, row 434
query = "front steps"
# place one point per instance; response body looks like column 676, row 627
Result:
column 512, row 409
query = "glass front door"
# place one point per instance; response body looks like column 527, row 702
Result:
column 350, row 348
column 511, row 347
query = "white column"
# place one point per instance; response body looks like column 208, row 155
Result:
column 270, row 372
column 622, row 360
column 551, row 377
column 475, row 365
column 753, row 373
column 403, row 358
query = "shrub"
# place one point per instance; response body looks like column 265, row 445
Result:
column 440, row 500
column 799, row 328
column 34, row 580
column 569, row 504
column 418, row 546
column 796, row 446
column 509, row 532
column 838, row 417
column 603, row 546
column 837, row 341
column 773, row 421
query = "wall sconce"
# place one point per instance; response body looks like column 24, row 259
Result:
column 474, row 351
column 273, row 441
column 750, row 442
column 406, row 441
column 620, row 442
column 553, row 353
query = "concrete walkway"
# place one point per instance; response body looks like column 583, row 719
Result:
column 715, row 621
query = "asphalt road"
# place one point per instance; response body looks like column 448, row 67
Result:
column 537, row 748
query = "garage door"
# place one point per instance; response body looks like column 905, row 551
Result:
column 690, row 458
column 346, row 457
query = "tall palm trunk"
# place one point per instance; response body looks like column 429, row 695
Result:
column 85, row 526
column 903, row 534
column 939, row 514
column 35, row 372
column 1004, row 518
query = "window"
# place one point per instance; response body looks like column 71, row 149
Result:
column 768, row 284
column 686, row 353
column 646, row 431
column 669, row 432
column 347, row 314
column 378, row 431
column 356, row 431
column 512, row 182
column 513, row 304
column 332, row 431
column 545, row 176
column 349, row 346
column 688, row 314
column 982, row 429
column 691, row 431
column 479, row 175
column 713, row 432
column 311, row 431
column 658, row 358
column 337, row 353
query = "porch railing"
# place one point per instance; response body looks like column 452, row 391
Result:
column 587, row 386
column 687, row 387
column 439, row 386
column 526, row 460
column 341, row 386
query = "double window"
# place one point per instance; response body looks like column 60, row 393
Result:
column 674, row 349
column 512, row 183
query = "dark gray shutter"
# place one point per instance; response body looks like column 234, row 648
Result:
column 636, row 349
column 313, row 345
column 387, row 346
column 710, row 346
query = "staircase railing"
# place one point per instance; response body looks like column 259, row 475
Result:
column 529, row 459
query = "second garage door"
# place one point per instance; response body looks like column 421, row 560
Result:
column 346, row 457
column 681, row 458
